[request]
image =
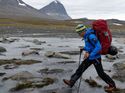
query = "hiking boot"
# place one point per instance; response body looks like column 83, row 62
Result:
column 110, row 89
column 68, row 82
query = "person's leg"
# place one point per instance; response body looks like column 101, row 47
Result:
column 102, row 74
column 84, row 65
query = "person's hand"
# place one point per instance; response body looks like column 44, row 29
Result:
column 81, row 48
column 86, row 55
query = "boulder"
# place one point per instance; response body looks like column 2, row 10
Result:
column 10, row 66
column 30, row 52
column 71, row 52
column 2, row 49
column 2, row 73
column 18, row 62
column 33, row 84
column 92, row 82
column 7, row 40
column 22, row 76
column 37, row 42
column 120, row 72
column 50, row 71
column 37, row 49
column 24, row 46
column 57, row 55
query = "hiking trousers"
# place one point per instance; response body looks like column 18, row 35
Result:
column 98, row 66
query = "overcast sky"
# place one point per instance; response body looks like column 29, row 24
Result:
column 92, row 9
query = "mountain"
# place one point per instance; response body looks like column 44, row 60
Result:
column 56, row 10
column 20, row 10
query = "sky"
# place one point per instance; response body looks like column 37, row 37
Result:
column 92, row 9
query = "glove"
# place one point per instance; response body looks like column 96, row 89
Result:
column 81, row 48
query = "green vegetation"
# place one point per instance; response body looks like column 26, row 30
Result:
column 33, row 84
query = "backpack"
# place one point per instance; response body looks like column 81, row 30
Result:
column 103, row 34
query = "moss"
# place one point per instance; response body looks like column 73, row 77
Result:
column 18, row 62
column 21, row 86
column 31, row 84
column 50, row 71
column 92, row 83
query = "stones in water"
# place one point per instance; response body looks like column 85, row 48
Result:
column 50, row 71
column 120, row 71
column 57, row 55
column 92, row 82
column 31, row 84
column 2, row 49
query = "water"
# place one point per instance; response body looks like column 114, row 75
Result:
column 52, row 44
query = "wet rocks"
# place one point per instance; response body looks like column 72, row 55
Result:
column 2, row 49
column 37, row 49
column 10, row 66
column 31, row 52
column 57, row 55
column 31, row 84
column 24, row 46
column 2, row 73
column 110, row 57
column 18, row 62
column 50, row 71
column 118, row 90
column 92, row 82
column 7, row 40
column 66, row 62
column 37, row 42
column 71, row 52
column 120, row 71
column 22, row 76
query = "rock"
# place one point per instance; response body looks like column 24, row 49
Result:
column 10, row 66
column 49, row 45
column 111, row 57
column 2, row 74
column 61, row 55
column 49, row 54
column 37, row 42
column 7, row 40
column 2, row 49
column 57, row 55
column 92, row 82
column 50, row 71
column 71, row 52
column 26, row 53
column 24, row 46
column 18, row 62
column 37, row 49
column 66, row 62
column 120, row 72
column 22, row 76
column 118, row 90
column 31, row 84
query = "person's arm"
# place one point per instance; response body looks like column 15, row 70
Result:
column 96, row 44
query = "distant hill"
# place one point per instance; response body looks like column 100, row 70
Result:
column 20, row 10
column 56, row 10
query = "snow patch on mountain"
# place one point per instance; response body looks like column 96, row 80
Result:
column 21, row 4
column 56, row 1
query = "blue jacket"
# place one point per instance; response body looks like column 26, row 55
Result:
column 92, row 44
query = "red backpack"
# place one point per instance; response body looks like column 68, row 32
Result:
column 103, row 34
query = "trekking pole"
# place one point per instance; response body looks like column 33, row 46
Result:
column 81, row 76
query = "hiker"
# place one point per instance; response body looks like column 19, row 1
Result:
column 91, row 56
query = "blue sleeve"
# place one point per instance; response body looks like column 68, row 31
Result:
column 86, row 48
column 97, row 46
